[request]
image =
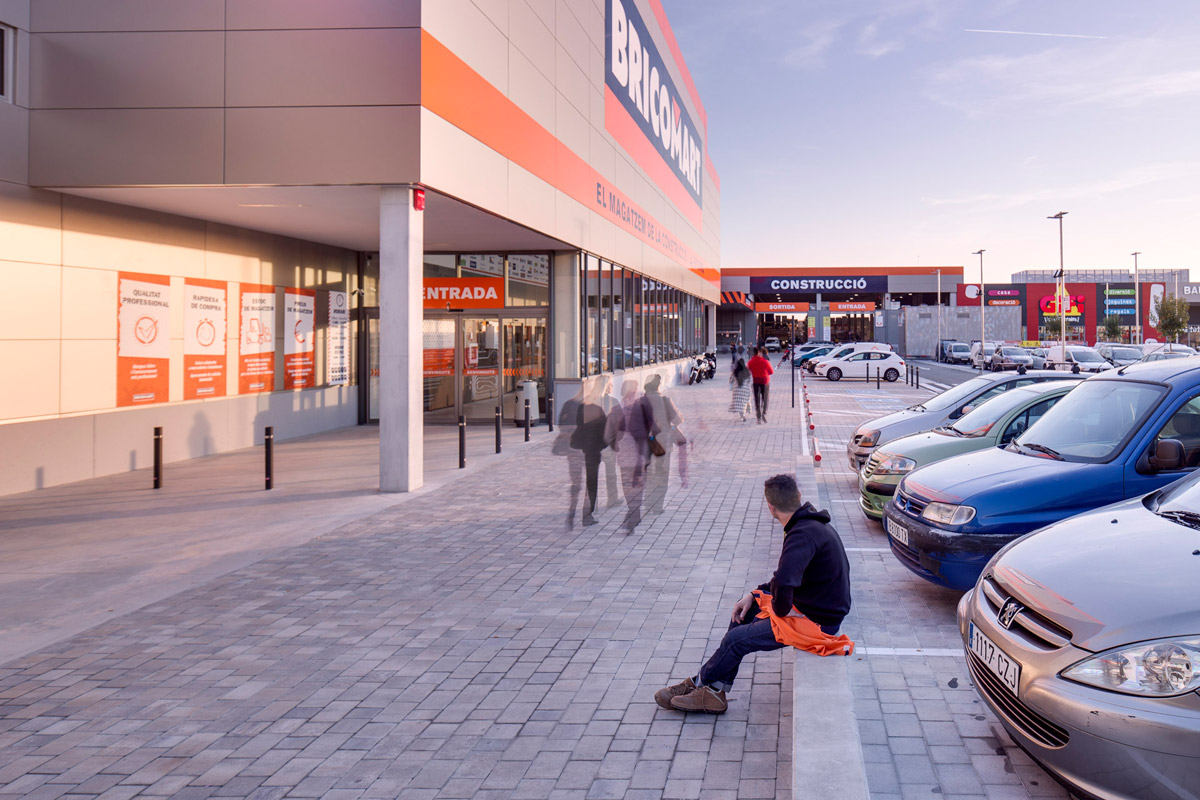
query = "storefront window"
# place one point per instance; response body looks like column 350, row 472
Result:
column 481, row 266
column 440, row 266
column 633, row 285
column 605, row 316
column 528, row 280
column 591, row 283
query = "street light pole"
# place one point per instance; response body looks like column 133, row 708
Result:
column 1062, row 287
column 1137, row 298
column 937, row 355
column 982, row 306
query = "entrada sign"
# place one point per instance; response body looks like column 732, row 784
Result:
column 464, row 292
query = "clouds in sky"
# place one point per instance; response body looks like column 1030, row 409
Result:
column 892, row 131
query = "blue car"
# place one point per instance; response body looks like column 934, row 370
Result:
column 1120, row 434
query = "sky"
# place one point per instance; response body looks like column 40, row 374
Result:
column 916, row 132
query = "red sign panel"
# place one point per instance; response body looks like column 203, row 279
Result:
column 464, row 293
column 843, row 307
column 780, row 308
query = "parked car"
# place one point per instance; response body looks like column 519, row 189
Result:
column 1149, row 348
column 816, row 352
column 1119, row 355
column 1165, row 356
column 772, row 344
column 844, row 350
column 960, row 353
column 941, row 409
column 1084, row 640
column 1009, row 356
column 945, row 350
column 981, row 357
column 1037, row 357
column 1075, row 355
column 1116, row 435
column 863, row 364
column 994, row 423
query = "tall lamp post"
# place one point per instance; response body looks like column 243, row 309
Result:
column 982, row 306
column 1062, row 287
column 1137, row 298
column 937, row 355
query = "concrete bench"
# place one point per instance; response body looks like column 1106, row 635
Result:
column 827, row 758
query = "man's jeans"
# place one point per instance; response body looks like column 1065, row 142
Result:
column 742, row 639
column 760, row 399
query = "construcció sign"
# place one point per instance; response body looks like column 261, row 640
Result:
column 805, row 283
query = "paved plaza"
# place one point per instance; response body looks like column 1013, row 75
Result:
column 465, row 642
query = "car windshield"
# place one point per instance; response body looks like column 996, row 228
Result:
column 960, row 348
column 1093, row 420
column 1126, row 353
column 1013, row 351
column 981, row 420
column 845, row 351
column 1183, row 495
column 1084, row 354
column 956, row 394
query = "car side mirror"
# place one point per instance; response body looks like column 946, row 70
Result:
column 1168, row 455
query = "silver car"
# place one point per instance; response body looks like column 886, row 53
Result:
column 1084, row 639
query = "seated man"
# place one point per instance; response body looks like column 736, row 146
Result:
column 809, row 597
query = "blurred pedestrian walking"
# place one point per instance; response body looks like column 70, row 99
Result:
column 740, row 380
column 664, row 419
column 761, row 371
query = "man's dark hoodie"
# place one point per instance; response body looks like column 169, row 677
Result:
column 813, row 573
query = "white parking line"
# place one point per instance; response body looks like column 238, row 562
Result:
column 939, row 652
column 868, row 549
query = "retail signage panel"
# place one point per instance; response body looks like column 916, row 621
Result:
column 780, row 308
column 1191, row 290
column 299, row 335
column 205, row 360
column 143, row 338
column 806, row 283
column 337, row 339
column 850, row 307
column 464, row 293
column 256, row 339
column 968, row 295
column 639, row 81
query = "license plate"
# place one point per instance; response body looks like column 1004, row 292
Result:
column 1000, row 665
column 897, row 531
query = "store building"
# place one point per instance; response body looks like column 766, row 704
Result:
column 216, row 217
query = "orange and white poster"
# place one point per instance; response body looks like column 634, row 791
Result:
column 143, row 338
column 299, row 313
column 256, row 339
column 204, row 358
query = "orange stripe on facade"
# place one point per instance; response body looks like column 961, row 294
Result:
column 462, row 97
column 627, row 133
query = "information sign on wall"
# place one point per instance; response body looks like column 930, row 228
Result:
column 337, row 339
column 143, row 338
column 204, row 356
column 851, row 307
column 780, row 308
column 256, row 339
column 819, row 283
column 464, row 292
column 299, row 335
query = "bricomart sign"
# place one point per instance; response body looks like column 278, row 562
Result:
column 850, row 283
column 638, row 78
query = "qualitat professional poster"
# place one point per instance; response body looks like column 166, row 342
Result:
column 338, row 339
column 143, row 338
column 256, row 339
column 204, row 355
column 299, row 314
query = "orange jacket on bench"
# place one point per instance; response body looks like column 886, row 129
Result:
column 801, row 632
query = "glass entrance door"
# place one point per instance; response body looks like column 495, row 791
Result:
column 480, row 372
column 525, row 356
column 440, row 400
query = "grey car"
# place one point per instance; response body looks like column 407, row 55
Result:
column 940, row 409
column 1119, row 355
column 1084, row 639
column 1009, row 356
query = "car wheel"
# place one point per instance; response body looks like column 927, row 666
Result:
column 891, row 375
column 835, row 374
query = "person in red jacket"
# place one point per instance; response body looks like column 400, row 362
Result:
column 761, row 372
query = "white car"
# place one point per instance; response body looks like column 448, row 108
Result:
column 863, row 364
column 772, row 344
column 844, row 350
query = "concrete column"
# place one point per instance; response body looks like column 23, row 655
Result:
column 401, row 349
column 564, row 315
column 711, row 314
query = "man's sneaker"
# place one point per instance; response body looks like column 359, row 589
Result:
column 701, row 699
column 663, row 696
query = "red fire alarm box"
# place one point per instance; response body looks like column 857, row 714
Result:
column 419, row 199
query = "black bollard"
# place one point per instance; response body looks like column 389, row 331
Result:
column 527, row 419
column 877, row 378
column 918, row 376
column 497, row 429
column 158, row 458
column 550, row 412
column 462, row 442
column 269, row 455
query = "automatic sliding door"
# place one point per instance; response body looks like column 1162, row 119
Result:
column 440, row 401
column 480, row 368
column 525, row 354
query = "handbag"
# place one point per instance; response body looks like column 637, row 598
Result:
column 656, row 447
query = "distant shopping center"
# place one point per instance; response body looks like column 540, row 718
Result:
column 912, row 307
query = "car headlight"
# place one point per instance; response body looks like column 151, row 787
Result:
column 895, row 465
column 1151, row 669
column 948, row 514
column 867, row 438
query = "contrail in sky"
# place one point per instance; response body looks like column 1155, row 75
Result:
column 1035, row 33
